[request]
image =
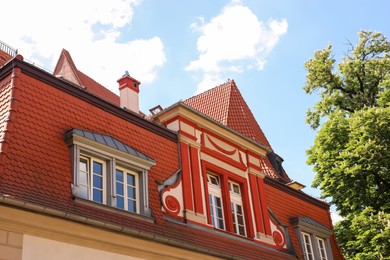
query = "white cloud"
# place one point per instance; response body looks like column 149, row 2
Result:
column 235, row 35
column 207, row 81
column 89, row 30
column 335, row 217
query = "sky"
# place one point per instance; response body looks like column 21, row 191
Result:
column 179, row 48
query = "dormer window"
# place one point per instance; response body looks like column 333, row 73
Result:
column 109, row 172
column 313, row 237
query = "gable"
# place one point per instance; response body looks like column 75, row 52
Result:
column 67, row 70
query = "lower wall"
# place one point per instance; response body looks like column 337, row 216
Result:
column 26, row 235
column 40, row 248
column 11, row 245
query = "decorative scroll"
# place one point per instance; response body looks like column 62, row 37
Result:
column 171, row 195
column 278, row 233
column 278, row 236
column 171, row 205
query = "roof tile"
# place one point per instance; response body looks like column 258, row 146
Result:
column 230, row 109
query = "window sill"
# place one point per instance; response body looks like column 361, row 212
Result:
column 113, row 210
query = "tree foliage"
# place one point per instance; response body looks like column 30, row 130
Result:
column 365, row 236
column 351, row 152
column 351, row 158
column 362, row 79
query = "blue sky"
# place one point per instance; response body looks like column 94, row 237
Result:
column 180, row 48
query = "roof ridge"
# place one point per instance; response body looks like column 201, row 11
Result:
column 85, row 75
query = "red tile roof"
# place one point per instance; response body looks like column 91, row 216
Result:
column 226, row 105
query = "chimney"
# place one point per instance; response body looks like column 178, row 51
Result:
column 128, row 92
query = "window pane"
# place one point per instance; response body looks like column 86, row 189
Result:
column 83, row 178
column 214, row 180
column 211, row 206
column 98, row 168
column 120, row 202
column 131, row 192
column 241, row 230
column 240, row 219
column 130, row 179
column 220, row 224
column 83, row 165
column 131, row 205
column 97, row 181
column 119, row 188
column 239, row 209
column 83, row 192
column 236, row 189
column 217, row 202
column 219, row 213
column 97, row 195
column 119, row 175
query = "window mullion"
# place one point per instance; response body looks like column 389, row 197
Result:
column 111, row 176
column 226, row 202
column 143, row 191
column 76, row 168
column 314, row 245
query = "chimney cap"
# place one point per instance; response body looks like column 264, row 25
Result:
column 127, row 76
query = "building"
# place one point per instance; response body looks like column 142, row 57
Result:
column 85, row 175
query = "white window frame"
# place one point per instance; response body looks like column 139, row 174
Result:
column 215, row 193
column 314, row 232
column 81, row 147
column 125, row 195
column 322, row 248
column 90, row 185
column 236, row 201
column 307, row 246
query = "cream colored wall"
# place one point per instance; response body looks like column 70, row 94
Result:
column 44, row 249
column 11, row 245
column 43, row 231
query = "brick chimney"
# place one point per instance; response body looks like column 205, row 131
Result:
column 128, row 92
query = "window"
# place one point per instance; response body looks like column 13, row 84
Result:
column 237, row 209
column 92, row 176
column 307, row 247
column 314, row 238
column 322, row 248
column 215, row 199
column 109, row 172
column 226, row 194
column 126, row 184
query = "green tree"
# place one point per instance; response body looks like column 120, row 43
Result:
column 365, row 236
column 351, row 152
column 362, row 79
